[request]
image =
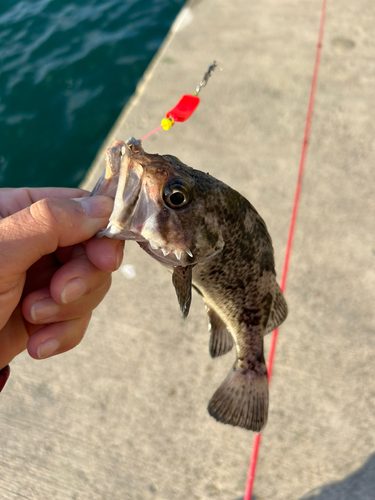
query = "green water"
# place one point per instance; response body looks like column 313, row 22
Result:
column 66, row 71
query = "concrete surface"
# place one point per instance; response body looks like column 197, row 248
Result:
column 123, row 416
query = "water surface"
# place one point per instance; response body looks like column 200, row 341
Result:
column 66, row 71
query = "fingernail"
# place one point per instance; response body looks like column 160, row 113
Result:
column 96, row 206
column 44, row 309
column 120, row 255
column 47, row 348
column 72, row 290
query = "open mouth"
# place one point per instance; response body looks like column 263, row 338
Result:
column 171, row 258
column 174, row 257
column 134, row 216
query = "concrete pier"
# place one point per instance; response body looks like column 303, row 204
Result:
column 123, row 416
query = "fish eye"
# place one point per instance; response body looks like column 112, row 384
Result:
column 176, row 195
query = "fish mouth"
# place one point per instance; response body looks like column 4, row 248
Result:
column 135, row 212
column 173, row 258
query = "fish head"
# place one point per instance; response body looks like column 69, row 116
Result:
column 164, row 206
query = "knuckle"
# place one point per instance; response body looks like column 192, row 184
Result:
column 46, row 213
column 106, row 286
column 81, row 327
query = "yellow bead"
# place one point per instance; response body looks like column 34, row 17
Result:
column 167, row 123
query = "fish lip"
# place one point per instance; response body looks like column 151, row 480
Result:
column 115, row 231
column 129, row 186
column 133, row 146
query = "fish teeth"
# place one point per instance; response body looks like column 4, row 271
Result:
column 155, row 247
column 178, row 254
column 189, row 253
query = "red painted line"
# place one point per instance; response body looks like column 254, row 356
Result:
column 305, row 144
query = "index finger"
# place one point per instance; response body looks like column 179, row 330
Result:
column 12, row 200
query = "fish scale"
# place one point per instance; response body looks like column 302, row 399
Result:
column 215, row 241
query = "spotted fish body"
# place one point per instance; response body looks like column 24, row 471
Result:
column 215, row 241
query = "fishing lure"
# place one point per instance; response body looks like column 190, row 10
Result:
column 185, row 106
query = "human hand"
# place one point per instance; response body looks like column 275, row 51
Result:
column 52, row 272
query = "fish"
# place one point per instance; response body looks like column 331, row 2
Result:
column 215, row 242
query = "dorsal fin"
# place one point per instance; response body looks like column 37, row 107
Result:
column 181, row 280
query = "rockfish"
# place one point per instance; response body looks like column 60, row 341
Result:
column 214, row 240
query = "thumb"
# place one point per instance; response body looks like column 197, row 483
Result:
column 40, row 229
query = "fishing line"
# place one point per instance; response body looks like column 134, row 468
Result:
column 256, row 444
column 185, row 106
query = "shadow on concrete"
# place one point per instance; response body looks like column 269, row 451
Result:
column 253, row 497
column 358, row 486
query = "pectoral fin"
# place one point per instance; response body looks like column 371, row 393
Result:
column 181, row 280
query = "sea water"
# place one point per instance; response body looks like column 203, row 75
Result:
column 67, row 68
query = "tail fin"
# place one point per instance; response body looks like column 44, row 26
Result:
column 242, row 399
